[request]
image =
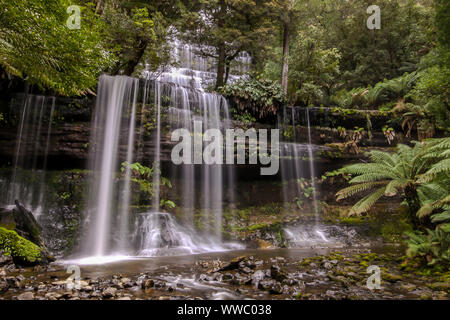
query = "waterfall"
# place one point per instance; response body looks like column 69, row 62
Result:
column 114, row 99
column 27, row 183
column 312, row 168
column 174, row 99
column 298, row 166
column 159, row 234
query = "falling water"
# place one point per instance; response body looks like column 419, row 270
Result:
column 177, row 97
column 114, row 98
column 312, row 168
column 295, row 169
column 30, row 163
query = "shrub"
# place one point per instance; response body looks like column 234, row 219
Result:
column 260, row 98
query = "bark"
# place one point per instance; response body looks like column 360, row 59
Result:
column 285, row 68
column 220, row 67
column 227, row 72
column 412, row 198
column 131, row 64
column 221, row 47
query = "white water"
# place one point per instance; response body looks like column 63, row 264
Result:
column 312, row 169
column 28, row 179
column 160, row 234
column 297, row 164
column 180, row 95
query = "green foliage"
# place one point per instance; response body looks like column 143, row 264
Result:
column 224, row 28
column 167, row 204
column 260, row 98
column 131, row 35
column 434, row 245
column 420, row 175
column 36, row 45
column 146, row 179
column 244, row 117
column 409, row 170
column 431, row 95
column 22, row 250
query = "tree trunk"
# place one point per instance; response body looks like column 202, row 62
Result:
column 221, row 47
column 220, row 66
column 412, row 198
column 227, row 72
column 134, row 61
column 285, row 68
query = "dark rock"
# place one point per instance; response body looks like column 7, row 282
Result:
column 23, row 222
column 233, row 264
column 5, row 260
column 149, row 283
column 277, row 273
column 3, row 286
column 12, row 282
column 270, row 285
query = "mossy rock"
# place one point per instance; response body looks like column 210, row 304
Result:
column 440, row 286
column 23, row 251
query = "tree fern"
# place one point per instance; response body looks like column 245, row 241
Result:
column 418, row 173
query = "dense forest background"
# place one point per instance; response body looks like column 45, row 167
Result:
column 306, row 53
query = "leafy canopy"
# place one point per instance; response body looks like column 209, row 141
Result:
column 37, row 45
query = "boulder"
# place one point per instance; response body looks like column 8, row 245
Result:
column 233, row 264
column 22, row 221
column 109, row 293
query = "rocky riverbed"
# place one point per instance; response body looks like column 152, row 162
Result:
column 335, row 275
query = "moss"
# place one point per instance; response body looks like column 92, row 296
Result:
column 22, row 250
column 257, row 226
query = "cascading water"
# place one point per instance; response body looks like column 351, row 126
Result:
column 294, row 169
column 28, row 179
column 312, row 168
column 177, row 100
column 114, row 100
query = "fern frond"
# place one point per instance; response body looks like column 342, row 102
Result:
column 395, row 186
column 439, row 168
column 367, row 202
column 352, row 190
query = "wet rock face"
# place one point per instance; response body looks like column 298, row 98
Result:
column 61, row 229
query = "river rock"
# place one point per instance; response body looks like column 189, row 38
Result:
column 257, row 277
column 26, row 296
column 5, row 260
column 233, row 264
column 149, row 283
column 109, row 293
column 277, row 273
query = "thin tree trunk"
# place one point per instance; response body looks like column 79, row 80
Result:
column 412, row 198
column 227, row 71
column 286, row 43
column 220, row 66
